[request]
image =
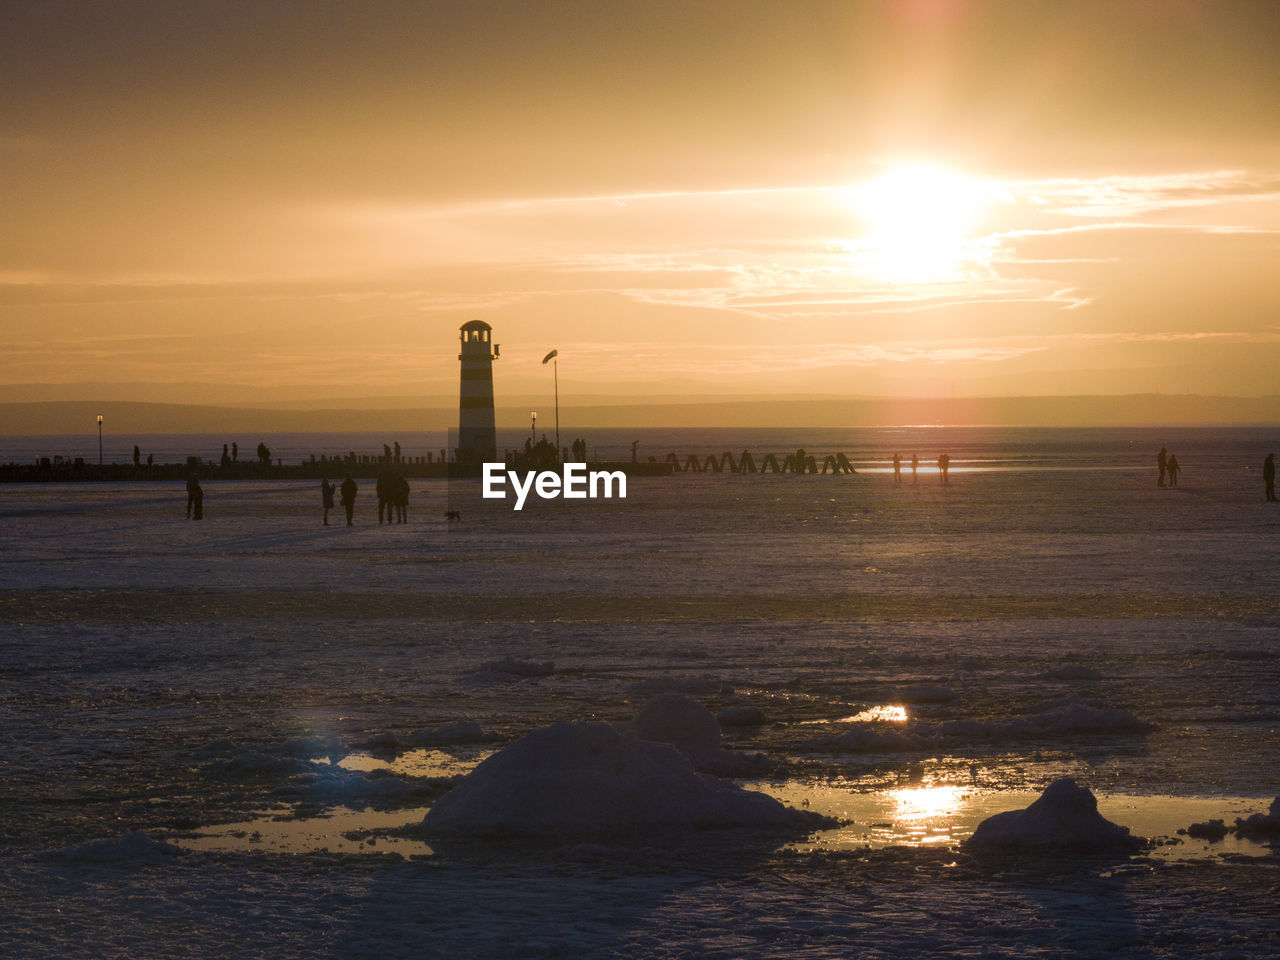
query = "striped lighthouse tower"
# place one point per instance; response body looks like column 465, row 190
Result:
column 477, row 440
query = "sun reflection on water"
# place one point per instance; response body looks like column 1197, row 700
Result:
column 892, row 713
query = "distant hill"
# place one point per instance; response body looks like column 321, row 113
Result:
column 80, row 416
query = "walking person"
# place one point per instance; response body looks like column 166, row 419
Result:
column 915, row 466
column 1269, row 475
column 348, row 497
column 1172, row 467
column 193, row 484
column 400, row 494
column 326, row 498
column 1162, row 461
column 897, row 468
column 195, row 499
column 384, row 496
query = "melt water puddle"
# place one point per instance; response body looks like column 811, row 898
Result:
column 338, row 830
column 924, row 815
column 415, row 763
column 911, row 816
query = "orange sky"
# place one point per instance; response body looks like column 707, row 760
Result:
column 935, row 197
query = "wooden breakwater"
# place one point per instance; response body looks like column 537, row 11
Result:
column 798, row 462
column 367, row 466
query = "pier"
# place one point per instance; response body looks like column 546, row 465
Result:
column 429, row 467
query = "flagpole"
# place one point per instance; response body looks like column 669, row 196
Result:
column 555, row 367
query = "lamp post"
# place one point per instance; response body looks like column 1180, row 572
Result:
column 555, row 368
column 533, row 427
column 99, row 440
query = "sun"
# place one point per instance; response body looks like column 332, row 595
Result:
column 919, row 222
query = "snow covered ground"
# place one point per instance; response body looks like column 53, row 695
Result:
column 921, row 656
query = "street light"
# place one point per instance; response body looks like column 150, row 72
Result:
column 99, row 440
column 555, row 367
column 533, row 426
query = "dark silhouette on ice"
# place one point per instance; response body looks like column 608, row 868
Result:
column 944, row 465
column 195, row 499
column 326, row 498
column 1269, row 475
column 1173, row 469
column 897, row 468
column 1064, row 820
column 348, row 499
column 1162, row 461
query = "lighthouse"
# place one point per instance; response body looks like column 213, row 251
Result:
column 477, row 440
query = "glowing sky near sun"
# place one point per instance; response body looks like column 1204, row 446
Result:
column 915, row 198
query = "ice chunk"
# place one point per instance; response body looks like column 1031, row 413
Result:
column 676, row 719
column 1070, row 720
column 459, row 731
column 741, row 715
column 1064, row 819
column 693, row 730
column 1266, row 824
column 587, row 778
column 1209, row 830
column 132, row 847
column 869, row 739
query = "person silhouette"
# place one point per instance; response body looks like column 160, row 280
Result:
column 348, row 497
column 1269, row 475
column 396, row 456
column 384, row 500
column 1162, row 461
column 944, row 464
column 400, row 495
column 235, row 452
column 137, row 456
column 195, row 499
column 915, row 465
column 897, row 468
column 1171, row 465
column 326, row 498
column 226, row 457
column 193, row 484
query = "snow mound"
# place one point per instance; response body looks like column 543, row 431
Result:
column 868, row 739
column 509, row 666
column 133, row 847
column 741, row 715
column 693, row 730
column 676, row 719
column 587, row 779
column 1074, row 673
column 1072, row 719
column 458, row 731
column 1259, row 823
column 926, row 693
column 257, row 761
column 1209, row 830
column 1064, row 819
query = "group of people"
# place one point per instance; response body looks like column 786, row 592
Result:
column 1169, row 469
column 393, row 498
column 944, row 465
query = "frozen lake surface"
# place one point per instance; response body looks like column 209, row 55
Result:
column 259, row 694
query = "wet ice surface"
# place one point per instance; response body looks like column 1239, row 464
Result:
column 188, row 678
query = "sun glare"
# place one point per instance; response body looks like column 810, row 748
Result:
column 919, row 222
